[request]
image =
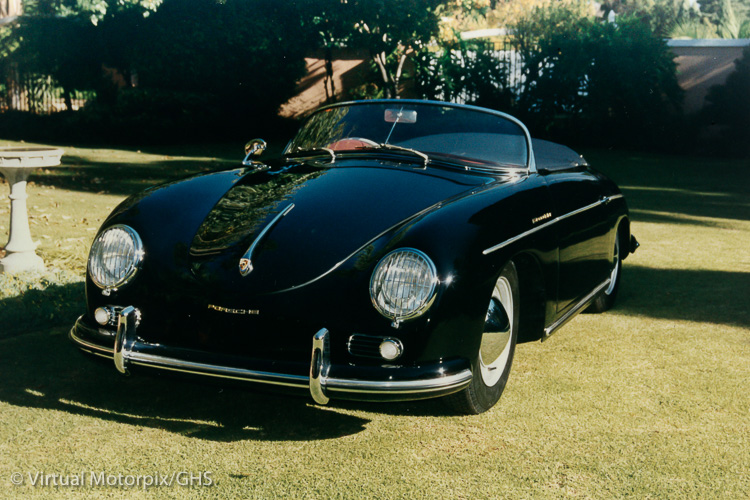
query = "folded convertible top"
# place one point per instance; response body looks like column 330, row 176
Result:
column 552, row 156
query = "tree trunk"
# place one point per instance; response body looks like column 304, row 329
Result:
column 400, row 69
column 390, row 91
column 68, row 99
column 328, row 80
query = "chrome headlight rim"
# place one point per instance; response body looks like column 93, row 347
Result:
column 429, row 297
column 134, row 266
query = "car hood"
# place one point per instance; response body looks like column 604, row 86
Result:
column 328, row 215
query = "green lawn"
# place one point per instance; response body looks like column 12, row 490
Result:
column 649, row 400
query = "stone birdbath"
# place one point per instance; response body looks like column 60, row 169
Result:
column 16, row 164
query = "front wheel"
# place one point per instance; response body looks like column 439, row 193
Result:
column 491, row 366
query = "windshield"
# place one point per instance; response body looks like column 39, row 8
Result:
column 469, row 136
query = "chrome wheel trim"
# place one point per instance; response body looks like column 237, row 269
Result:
column 615, row 267
column 492, row 369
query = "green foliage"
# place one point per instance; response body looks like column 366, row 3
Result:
column 64, row 48
column 91, row 10
column 715, row 19
column 149, row 115
column 391, row 30
column 368, row 90
column 245, row 62
column 191, row 66
column 553, row 44
column 661, row 15
column 693, row 29
column 466, row 71
column 598, row 81
column 717, row 11
column 730, row 24
column 729, row 108
column 718, row 19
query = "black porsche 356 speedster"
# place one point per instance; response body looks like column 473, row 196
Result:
column 396, row 250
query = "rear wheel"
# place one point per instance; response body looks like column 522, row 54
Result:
column 606, row 298
column 491, row 366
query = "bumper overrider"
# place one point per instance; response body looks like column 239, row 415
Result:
column 322, row 381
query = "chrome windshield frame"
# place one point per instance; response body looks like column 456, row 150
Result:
column 530, row 162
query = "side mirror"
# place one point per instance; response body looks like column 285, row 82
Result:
column 253, row 148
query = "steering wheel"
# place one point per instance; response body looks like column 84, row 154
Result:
column 351, row 143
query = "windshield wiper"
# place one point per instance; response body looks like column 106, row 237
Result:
column 408, row 150
column 300, row 151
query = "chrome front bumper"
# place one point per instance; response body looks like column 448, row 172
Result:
column 128, row 351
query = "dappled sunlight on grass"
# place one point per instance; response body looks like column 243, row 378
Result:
column 124, row 171
column 655, row 216
column 47, row 372
column 647, row 400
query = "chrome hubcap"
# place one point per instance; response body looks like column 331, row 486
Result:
column 495, row 348
column 615, row 267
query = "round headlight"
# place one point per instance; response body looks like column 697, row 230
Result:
column 115, row 256
column 403, row 284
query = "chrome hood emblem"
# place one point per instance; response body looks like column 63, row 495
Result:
column 246, row 262
column 245, row 266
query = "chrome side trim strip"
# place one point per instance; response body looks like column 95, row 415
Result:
column 247, row 268
column 319, row 366
column 456, row 380
column 583, row 209
column 545, row 225
column 516, row 238
column 569, row 315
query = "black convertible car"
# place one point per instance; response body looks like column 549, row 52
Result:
column 396, row 250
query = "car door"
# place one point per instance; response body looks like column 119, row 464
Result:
column 583, row 232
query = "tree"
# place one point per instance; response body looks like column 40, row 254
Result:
column 717, row 11
column 242, row 54
column 328, row 24
column 661, row 15
column 189, row 67
column 93, row 10
column 458, row 16
column 64, row 48
column 60, row 39
column 391, row 30
column 596, row 80
column 468, row 71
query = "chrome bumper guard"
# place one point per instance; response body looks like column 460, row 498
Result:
column 320, row 385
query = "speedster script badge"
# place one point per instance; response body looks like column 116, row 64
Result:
column 233, row 311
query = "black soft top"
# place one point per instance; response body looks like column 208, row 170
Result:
column 552, row 156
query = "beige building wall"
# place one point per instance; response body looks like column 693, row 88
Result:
column 313, row 90
column 703, row 63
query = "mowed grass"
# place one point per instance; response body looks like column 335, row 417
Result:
column 649, row 400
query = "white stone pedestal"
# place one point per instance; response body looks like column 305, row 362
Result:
column 15, row 165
